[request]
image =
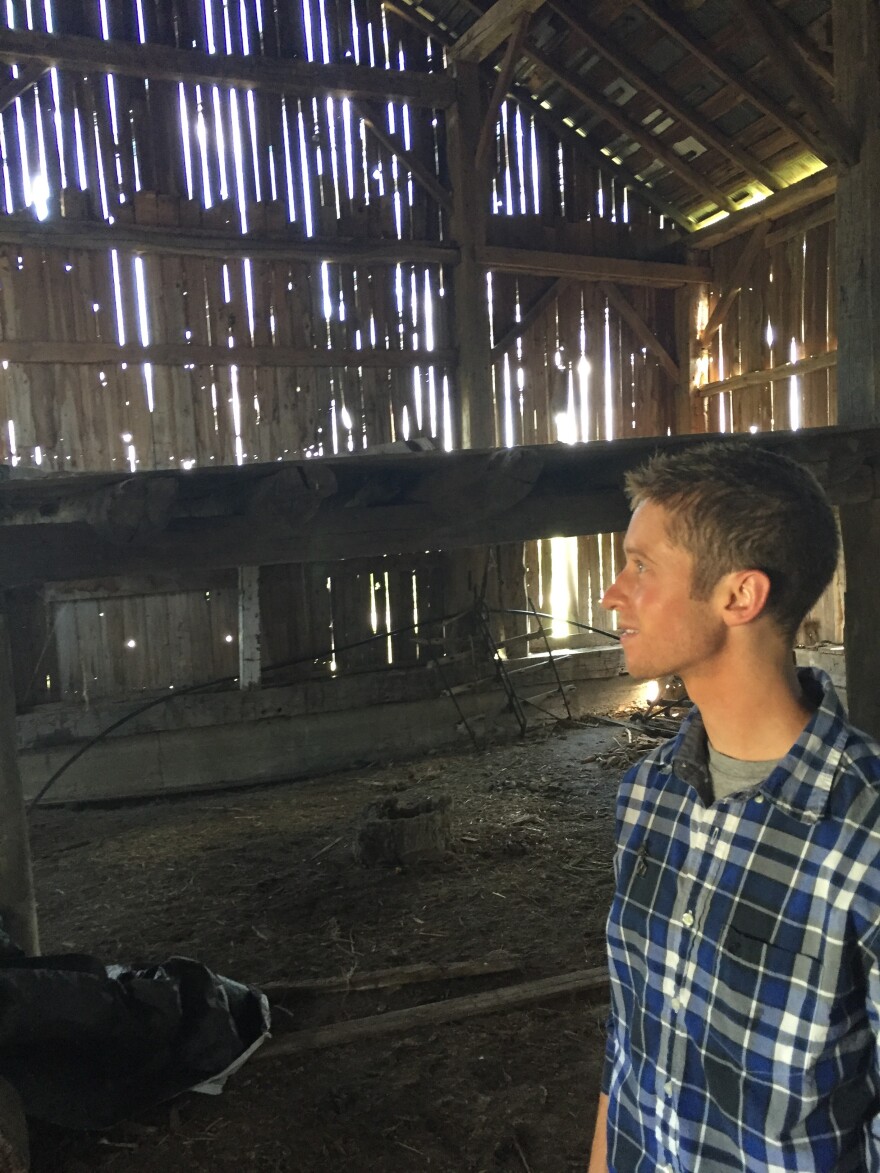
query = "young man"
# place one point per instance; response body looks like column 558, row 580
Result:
column 744, row 935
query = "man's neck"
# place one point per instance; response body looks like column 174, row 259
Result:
column 754, row 712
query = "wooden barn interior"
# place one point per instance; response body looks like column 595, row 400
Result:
column 328, row 329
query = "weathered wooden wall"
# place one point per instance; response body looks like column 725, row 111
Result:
column 785, row 312
column 82, row 148
column 300, row 357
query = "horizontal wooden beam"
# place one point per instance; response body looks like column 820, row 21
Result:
column 189, row 354
column 590, row 268
column 196, row 242
column 789, row 370
column 808, row 191
column 48, row 531
column 492, row 29
column 272, row 75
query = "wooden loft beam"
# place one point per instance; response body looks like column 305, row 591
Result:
column 634, row 130
column 640, row 76
column 533, row 310
column 643, row 332
column 671, row 22
column 800, row 195
column 16, row 86
column 162, row 63
column 185, row 354
column 502, row 85
column 535, row 263
column 741, row 270
column 55, row 528
column 419, row 171
column 772, row 34
column 492, row 29
column 195, row 242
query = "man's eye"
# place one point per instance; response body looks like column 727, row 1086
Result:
column 640, row 566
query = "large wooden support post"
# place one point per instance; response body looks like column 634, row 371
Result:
column 688, row 407
column 17, row 905
column 470, row 194
column 857, row 72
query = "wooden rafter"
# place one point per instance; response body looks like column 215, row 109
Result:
column 741, row 270
column 671, row 22
column 537, row 263
column 502, row 85
column 770, row 32
column 16, row 86
column 640, row 75
column 419, row 171
column 533, row 310
column 800, row 195
column 196, row 242
column 492, row 29
column 162, row 63
column 643, row 332
column 639, row 133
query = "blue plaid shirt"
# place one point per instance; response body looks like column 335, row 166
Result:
column 744, row 946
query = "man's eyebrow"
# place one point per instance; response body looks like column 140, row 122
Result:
column 636, row 551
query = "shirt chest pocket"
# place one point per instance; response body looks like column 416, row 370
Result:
column 763, row 1023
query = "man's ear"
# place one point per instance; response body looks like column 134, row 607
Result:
column 743, row 596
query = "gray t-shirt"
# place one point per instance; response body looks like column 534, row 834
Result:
column 730, row 775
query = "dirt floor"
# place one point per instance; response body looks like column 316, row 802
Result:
column 261, row 885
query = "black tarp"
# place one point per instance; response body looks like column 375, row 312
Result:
column 86, row 1045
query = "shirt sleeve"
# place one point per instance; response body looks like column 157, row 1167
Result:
column 872, row 1125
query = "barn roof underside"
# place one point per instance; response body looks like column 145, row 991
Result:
column 704, row 107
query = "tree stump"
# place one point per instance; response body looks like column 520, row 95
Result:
column 392, row 832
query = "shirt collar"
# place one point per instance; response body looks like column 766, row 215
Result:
column 801, row 782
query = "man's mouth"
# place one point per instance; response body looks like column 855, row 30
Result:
column 627, row 632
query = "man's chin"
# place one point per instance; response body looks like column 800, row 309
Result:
column 640, row 673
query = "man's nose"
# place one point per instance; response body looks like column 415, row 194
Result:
column 611, row 599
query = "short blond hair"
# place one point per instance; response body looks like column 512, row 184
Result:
column 736, row 506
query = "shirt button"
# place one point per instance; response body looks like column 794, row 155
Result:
column 688, row 919
column 676, row 1004
column 667, row 1088
column 759, row 798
